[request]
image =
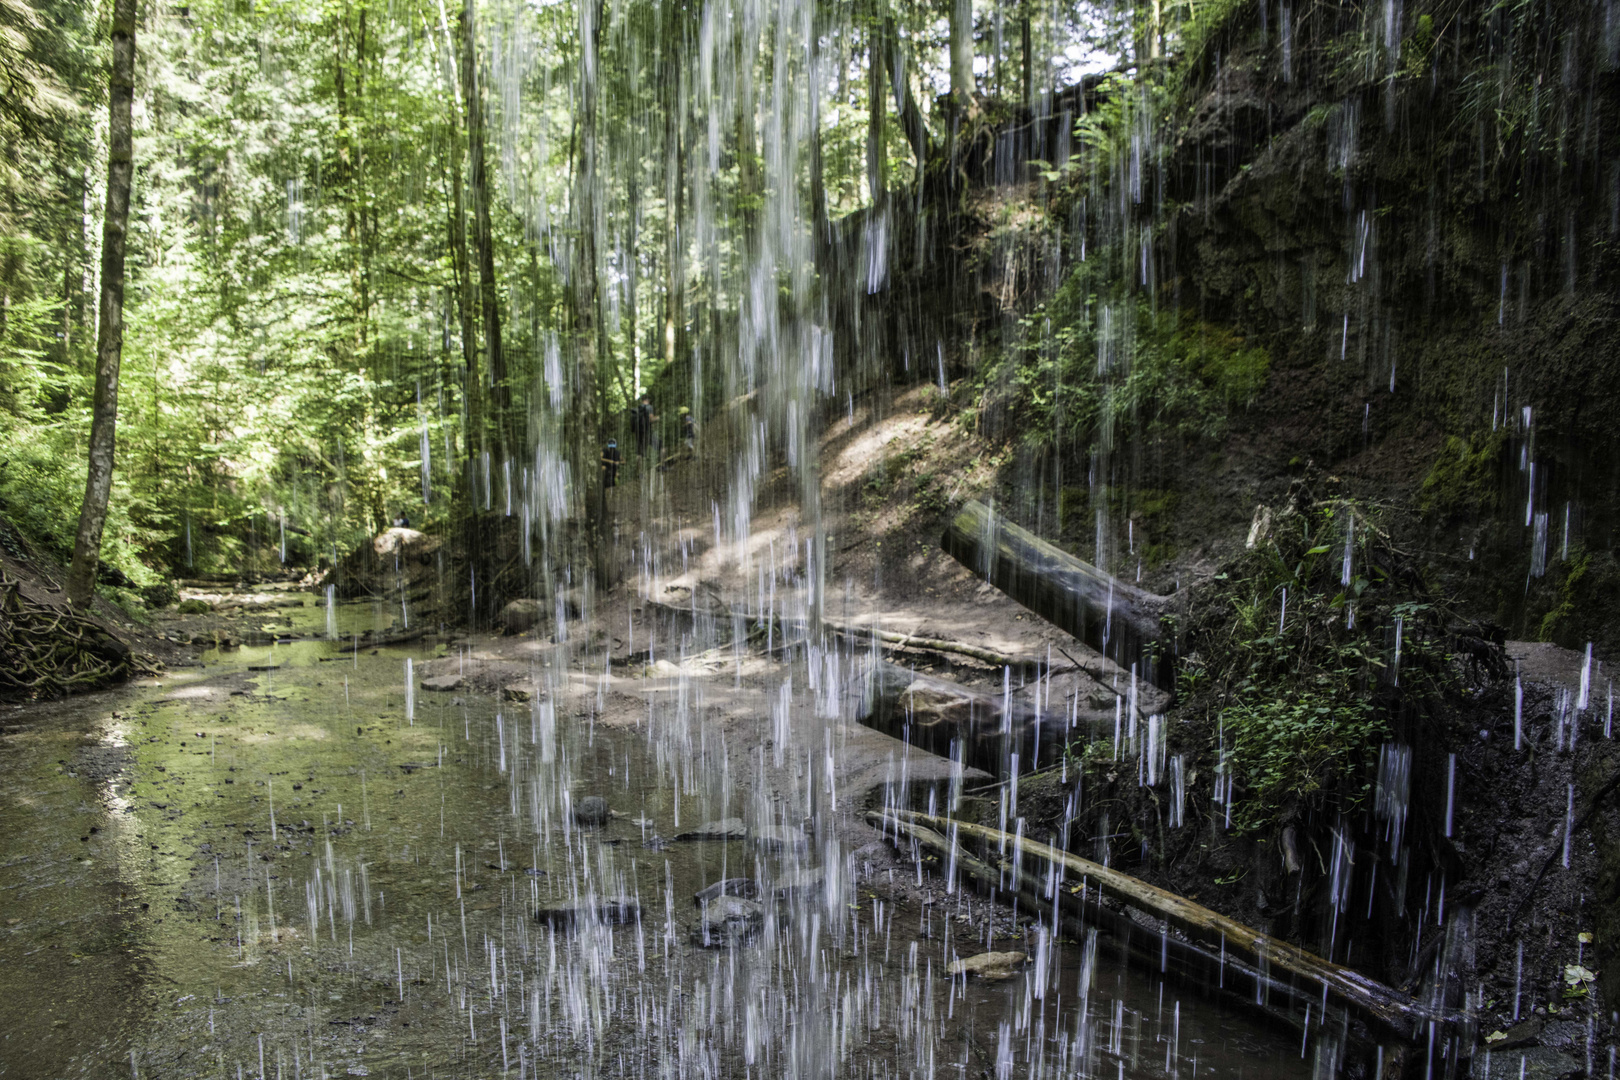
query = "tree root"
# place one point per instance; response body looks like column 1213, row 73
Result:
column 48, row 652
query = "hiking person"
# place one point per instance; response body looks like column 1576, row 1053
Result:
column 641, row 422
column 610, row 463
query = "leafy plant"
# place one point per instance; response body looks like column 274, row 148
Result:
column 1302, row 653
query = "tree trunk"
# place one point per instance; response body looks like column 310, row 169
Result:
column 472, row 397
column 911, row 117
column 877, row 155
column 674, row 196
column 1028, row 81
column 110, row 335
column 962, row 86
column 483, row 240
column 1118, row 620
column 587, row 423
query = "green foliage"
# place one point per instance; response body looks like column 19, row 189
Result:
column 1465, row 477
column 1575, row 571
column 1090, row 373
column 1298, row 673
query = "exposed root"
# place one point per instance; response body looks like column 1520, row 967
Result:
column 48, row 652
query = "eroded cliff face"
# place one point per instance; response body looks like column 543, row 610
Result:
column 1417, row 210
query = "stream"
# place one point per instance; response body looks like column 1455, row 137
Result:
column 292, row 863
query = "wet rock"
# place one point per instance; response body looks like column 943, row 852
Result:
column 520, row 616
column 729, row 920
column 1525, row 1033
column 612, row 910
column 776, row 838
column 395, row 561
column 990, row 965
column 592, row 810
column 444, row 683
column 800, row 884
column 744, row 888
column 1530, row 1063
column 731, row 828
column 264, row 667
column 520, row 691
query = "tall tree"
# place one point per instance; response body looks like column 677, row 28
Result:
column 110, row 335
column 961, row 49
column 483, row 239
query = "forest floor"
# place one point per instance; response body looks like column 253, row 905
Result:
column 890, row 469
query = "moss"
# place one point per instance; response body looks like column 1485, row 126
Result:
column 1552, row 622
column 1234, row 370
column 1463, row 479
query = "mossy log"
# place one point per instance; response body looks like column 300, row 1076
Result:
column 1271, row 958
column 1119, row 620
column 1079, row 909
column 934, row 713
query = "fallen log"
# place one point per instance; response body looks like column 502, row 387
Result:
column 1119, row 620
column 986, row 729
column 1158, row 951
column 1388, row 1008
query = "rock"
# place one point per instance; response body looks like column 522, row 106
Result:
column 614, row 909
column 661, row 669
column 443, row 683
column 990, row 965
column 729, row 920
column 1525, row 1033
column 193, row 607
column 392, row 561
column 520, row 616
column 776, row 838
column 741, row 887
column 592, row 810
column 264, row 667
column 520, row 691
column 731, row 828
column 800, row 884
column 1530, row 1063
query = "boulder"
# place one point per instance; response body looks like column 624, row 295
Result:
column 592, row 810
column 521, row 616
column 800, row 884
column 393, row 563
column 775, row 838
column 729, row 920
column 741, row 887
column 443, row 683
column 571, row 913
column 520, row 691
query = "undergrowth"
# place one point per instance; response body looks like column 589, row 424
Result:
column 1304, row 655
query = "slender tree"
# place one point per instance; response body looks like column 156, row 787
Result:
column 483, row 238
column 110, row 333
column 961, row 50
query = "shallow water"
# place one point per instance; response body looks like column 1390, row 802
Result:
column 278, row 874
